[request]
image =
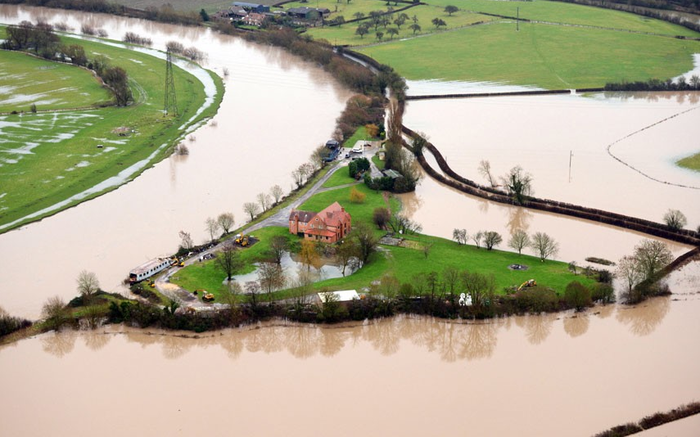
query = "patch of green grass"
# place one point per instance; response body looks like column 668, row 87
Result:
column 360, row 212
column 691, row 162
column 27, row 80
column 208, row 276
column 340, row 177
column 49, row 157
column 541, row 55
column 378, row 162
column 359, row 135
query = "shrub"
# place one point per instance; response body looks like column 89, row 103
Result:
column 577, row 296
column 357, row 196
column 536, row 300
column 10, row 324
column 675, row 219
column 603, row 293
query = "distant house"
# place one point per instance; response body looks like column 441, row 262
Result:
column 252, row 7
column 237, row 12
column 329, row 226
column 254, row 19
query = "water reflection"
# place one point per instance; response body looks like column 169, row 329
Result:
column 451, row 340
column 645, row 318
column 576, row 325
column 60, row 343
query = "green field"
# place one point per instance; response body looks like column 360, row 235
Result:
column 50, row 157
column 402, row 262
column 546, row 56
column 27, row 80
column 691, row 162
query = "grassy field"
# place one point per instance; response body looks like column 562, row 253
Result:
column 691, row 162
column 540, row 55
column 341, row 177
column 49, row 157
column 27, row 80
column 402, row 262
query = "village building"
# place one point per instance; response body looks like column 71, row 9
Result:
column 252, row 7
column 329, row 226
column 254, row 19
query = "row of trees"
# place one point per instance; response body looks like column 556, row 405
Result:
column 41, row 40
column 692, row 84
column 542, row 245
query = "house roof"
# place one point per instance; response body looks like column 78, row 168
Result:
column 247, row 5
column 304, row 216
column 333, row 215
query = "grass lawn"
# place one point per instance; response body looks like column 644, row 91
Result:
column 691, row 162
column 360, row 212
column 49, row 157
column 27, row 80
column 208, row 276
column 359, row 135
column 541, row 55
column 405, row 263
column 340, row 177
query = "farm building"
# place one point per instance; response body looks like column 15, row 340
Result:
column 252, row 7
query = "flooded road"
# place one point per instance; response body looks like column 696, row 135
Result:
column 548, row 375
column 252, row 144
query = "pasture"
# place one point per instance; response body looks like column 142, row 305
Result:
column 27, row 80
column 49, row 157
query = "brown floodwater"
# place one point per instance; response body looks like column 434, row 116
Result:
column 548, row 375
column 276, row 110
column 543, row 134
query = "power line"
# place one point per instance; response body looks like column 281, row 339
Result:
column 170, row 106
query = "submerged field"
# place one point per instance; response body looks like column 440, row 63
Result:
column 27, row 80
column 49, row 159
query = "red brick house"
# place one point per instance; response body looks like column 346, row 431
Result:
column 329, row 226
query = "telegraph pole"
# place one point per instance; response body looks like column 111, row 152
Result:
column 571, row 154
column 170, row 106
column 517, row 19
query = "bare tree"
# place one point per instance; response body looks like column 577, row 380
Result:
column 306, row 170
column 229, row 260
column 366, row 240
column 518, row 184
column 230, row 296
column 212, row 227
column 278, row 245
column 460, row 236
column 348, row 251
column 544, row 246
column 426, row 250
column 88, row 285
column 477, row 238
column 226, row 221
column 264, row 200
column 651, row 256
column 309, row 255
column 479, row 286
column 186, row 241
column 485, row 171
column 55, row 312
column 252, row 209
column 629, row 272
column 298, row 177
column 675, row 219
column 491, row 239
column 252, row 289
column 519, row 240
column 271, row 277
column 276, row 193
column 404, row 225
column 319, row 155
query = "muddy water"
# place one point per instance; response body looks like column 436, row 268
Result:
column 543, row 134
column 537, row 375
column 252, row 144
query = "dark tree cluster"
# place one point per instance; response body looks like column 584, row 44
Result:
column 657, row 85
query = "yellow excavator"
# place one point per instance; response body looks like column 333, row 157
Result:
column 241, row 239
column 528, row 283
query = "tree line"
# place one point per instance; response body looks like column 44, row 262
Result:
column 42, row 41
column 692, row 84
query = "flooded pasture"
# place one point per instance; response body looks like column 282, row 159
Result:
column 252, row 144
column 548, row 375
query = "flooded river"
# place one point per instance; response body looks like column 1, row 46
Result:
column 548, row 375
column 537, row 375
column 276, row 110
